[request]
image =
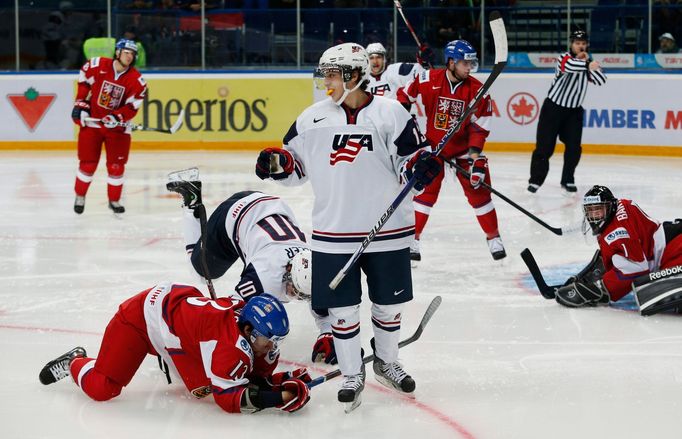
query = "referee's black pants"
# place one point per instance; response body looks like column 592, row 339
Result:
column 567, row 123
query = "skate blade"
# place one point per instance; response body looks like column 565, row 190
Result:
column 350, row 406
column 414, row 264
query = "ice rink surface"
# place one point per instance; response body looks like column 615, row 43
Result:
column 496, row 362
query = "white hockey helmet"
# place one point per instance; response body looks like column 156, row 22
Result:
column 376, row 49
column 345, row 58
column 300, row 275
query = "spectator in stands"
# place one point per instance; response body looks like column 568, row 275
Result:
column 52, row 35
column 667, row 44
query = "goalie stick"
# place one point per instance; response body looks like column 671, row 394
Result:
column 135, row 127
column 500, row 38
column 547, row 291
column 430, row 310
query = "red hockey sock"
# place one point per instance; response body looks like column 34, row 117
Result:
column 115, row 181
column 420, row 220
column 95, row 384
column 84, row 177
column 488, row 222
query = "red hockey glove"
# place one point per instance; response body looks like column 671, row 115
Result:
column 275, row 163
column 277, row 379
column 323, row 350
column 301, row 395
column 425, row 56
column 112, row 120
column 477, row 170
column 424, row 166
column 81, row 110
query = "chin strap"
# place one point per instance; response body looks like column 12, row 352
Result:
column 346, row 92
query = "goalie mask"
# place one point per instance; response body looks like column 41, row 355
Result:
column 345, row 59
column 298, row 277
column 599, row 206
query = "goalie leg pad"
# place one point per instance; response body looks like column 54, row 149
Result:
column 662, row 295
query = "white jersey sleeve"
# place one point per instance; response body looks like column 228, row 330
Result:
column 394, row 77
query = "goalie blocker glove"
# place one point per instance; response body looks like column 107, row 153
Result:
column 275, row 163
column 581, row 294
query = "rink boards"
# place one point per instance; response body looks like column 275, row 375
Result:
column 631, row 114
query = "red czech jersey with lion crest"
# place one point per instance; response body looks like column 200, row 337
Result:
column 444, row 103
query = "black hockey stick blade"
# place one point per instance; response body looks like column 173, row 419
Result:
column 548, row 292
column 430, row 311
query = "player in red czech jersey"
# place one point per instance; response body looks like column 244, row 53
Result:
column 445, row 94
column 223, row 347
column 631, row 244
column 111, row 90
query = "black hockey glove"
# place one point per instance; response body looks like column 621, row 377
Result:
column 275, row 163
column 79, row 107
column 425, row 167
column 581, row 294
column 425, row 56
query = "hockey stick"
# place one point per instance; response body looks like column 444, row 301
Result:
column 399, row 7
column 433, row 306
column 135, row 127
column 548, row 292
column 500, row 38
column 555, row 230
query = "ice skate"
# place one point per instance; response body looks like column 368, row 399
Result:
column 79, row 204
column 496, row 248
column 187, row 184
column 415, row 255
column 116, row 207
column 59, row 368
column 350, row 393
column 393, row 376
column 568, row 189
column 533, row 188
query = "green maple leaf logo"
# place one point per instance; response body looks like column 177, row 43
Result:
column 31, row 94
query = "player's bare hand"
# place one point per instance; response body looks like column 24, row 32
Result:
column 594, row 65
column 582, row 55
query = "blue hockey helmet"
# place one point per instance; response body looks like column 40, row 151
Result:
column 461, row 50
column 126, row 44
column 267, row 316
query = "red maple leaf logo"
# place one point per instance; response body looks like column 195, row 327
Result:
column 523, row 108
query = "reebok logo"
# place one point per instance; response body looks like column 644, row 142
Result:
column 347, row 147
column 665, row 272
column 318, row 120
column 397, row 293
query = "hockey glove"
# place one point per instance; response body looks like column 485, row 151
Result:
column 424, row 166
column 323, row 350
column 425, row 56
column 477, row 170
column 81, row 110
column 277, row 380
column 275, row 163
column 112, row 120
column 581, row 294
column 300, row 392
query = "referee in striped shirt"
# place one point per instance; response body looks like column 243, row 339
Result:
column 562, row 113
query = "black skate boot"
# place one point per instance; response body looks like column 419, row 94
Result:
column 350, row 393
column 116, row 207
column 392, row 374
column 59, row 368
column 190, row 191
column 79, row 204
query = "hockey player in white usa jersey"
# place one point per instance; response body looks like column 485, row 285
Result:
column 357, row 151
column 385, row 80
column 262, row 231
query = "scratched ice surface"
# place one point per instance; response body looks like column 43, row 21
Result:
column 497, row 361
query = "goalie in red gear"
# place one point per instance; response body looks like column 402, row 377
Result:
column 111, row 90
column 445, row 94
column 223, row 347
column 631, row 244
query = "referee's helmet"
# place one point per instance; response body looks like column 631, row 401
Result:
column 578, row 35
